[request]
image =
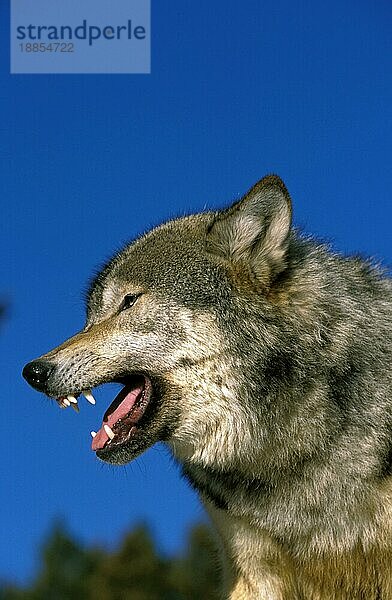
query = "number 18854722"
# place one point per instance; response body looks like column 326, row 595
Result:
column 50, row 47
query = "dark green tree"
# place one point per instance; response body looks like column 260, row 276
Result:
column 67, row 568
column 197, row 574
column 10, row 592
column 134, row 572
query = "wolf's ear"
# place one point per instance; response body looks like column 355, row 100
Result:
column 254, row 231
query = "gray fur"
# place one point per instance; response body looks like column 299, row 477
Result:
column 270, row 361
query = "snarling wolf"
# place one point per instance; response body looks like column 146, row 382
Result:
column 263, row 360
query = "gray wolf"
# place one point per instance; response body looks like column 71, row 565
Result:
column 263, row 360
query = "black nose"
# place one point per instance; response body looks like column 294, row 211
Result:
column 37, row 373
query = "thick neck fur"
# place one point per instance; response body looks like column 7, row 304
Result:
column 284, row 428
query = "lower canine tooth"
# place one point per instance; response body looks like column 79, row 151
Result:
column 109, row 431
column 93, row 434
column 75, row 407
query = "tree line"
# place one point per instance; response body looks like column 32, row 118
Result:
column 136, row 570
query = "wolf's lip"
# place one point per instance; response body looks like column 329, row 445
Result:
column 123, row 415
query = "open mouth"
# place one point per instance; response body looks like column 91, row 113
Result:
column 124, row 417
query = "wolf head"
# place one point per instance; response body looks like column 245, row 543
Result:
column 170, row 318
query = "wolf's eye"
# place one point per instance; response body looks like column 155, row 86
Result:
column 129, row 301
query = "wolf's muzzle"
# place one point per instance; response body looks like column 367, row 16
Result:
column 37, row 373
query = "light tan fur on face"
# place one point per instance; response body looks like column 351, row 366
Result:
column 211, row 421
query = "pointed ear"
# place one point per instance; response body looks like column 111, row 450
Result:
column 254, row 232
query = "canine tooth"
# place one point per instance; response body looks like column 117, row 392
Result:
column 109, row 431
column 93, row 433
column 75, row 407
column 72, row 399
column 89, row 397
column 66, row 402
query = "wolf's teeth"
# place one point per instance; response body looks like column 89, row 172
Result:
column 72, row 399
column 89, row 397
column 66, row 402
column 109, row 431
column 93, row 433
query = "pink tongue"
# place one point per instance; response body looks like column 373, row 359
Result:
column 122, row 404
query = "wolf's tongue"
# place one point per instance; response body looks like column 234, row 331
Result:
column 119, row 408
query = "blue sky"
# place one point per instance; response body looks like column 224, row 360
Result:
column 237, row 90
